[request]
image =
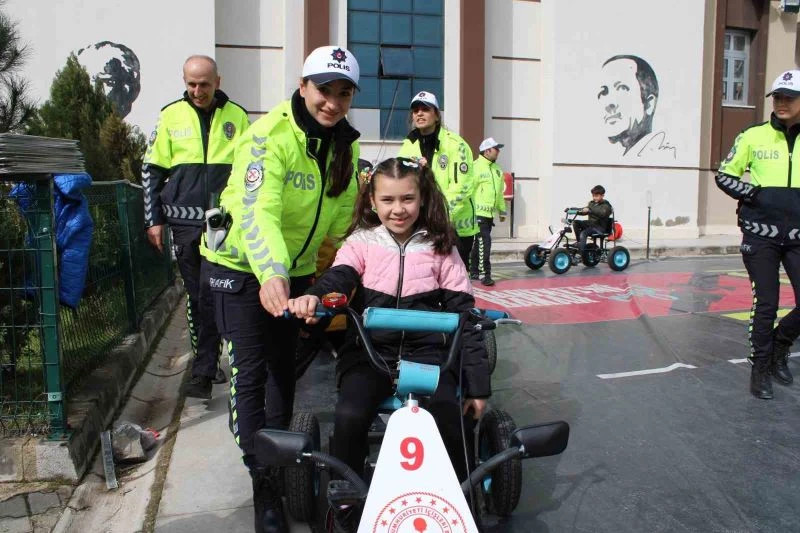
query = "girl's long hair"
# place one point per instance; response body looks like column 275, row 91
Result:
column 433, row 216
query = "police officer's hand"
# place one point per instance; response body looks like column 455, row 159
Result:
column 476, row 405
column 305, row 307
column 502, row 218
column 751, row 196
column 274, row 296
column 154, row 236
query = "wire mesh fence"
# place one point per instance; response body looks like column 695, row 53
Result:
column 47, row 349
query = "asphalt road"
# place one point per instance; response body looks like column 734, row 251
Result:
column 647, row 368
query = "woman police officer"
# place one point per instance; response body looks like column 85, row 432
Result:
column 292, row 184
column 450, row 158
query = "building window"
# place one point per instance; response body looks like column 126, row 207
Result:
column 735, row 67
column 383, row 34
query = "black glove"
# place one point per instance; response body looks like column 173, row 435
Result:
column 750, row 198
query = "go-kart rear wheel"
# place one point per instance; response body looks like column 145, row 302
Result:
column 591, row 255
column 535, row 258
column 619, row 258
column 301, row 482
column 560, row 260
column 490, row 343
column 501, row 489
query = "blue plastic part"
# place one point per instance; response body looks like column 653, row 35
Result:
column 417, row 378
column 391, row 403
column 494, row 314
column 409, row 320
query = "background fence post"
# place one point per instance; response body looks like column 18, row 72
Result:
column 48, row 283
column 126, row 258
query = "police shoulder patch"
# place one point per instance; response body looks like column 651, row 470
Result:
column 153, row 137
column 254, row 176
column 443, row 160
column 731, row 155
column 229, row 130
column 463, row 167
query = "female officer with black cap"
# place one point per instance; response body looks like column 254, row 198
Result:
column 769, row 215
column 293, row 183
column 450, row 158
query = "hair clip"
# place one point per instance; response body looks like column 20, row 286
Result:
column 412, row 163
column 366, row 174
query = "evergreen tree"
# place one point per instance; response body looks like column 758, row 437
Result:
column 125, row 146
column 76, row 110
column 16, row 107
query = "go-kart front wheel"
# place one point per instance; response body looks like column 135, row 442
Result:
column 502, row 488
column 560, row 260
column 534, row 257
column 301, row 482
column 619, row 258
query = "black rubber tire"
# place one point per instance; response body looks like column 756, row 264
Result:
column 591, row 255
column 534, row 257
column 490, row 343
column 503, row 494
column 616, row 251
column 555, row 260
column 301, row 482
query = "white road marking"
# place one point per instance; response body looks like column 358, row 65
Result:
column 739, row 361
column 669, row 368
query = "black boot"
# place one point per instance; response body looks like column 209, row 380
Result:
column 267, row 504
column 780, row 363
column 760, row 382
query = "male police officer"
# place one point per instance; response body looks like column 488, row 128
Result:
column 488, row 199
column 769, row 216
column 188, row 160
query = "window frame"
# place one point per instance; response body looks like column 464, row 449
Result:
column 414, row 83
column 729, row 57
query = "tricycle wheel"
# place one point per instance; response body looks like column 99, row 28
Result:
column 560, row 260
column 490, row 343
column 591, row 255
column 534, row 257
column 501, row 489
column 301, row 482
column 619, row 258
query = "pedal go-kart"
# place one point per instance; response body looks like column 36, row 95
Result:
column 561, row 253
column 412, row 486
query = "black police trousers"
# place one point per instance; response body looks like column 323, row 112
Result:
column 206, row 341
column 479, row 264
column 464, row 246
column 261, row 349
column 762, row 259
column 361, row 391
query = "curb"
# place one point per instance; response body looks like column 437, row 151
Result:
column 91, row 409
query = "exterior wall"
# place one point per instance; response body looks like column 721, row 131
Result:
column 512, row 115
column 663, row 168
column 542, row 73
column 160, row 42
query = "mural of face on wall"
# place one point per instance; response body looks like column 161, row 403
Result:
column 627, row 98
column 117, row 68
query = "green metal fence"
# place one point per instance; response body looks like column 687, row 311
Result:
column 45, row 348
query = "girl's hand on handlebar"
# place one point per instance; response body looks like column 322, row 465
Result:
column 476, row 405
column 305, row 307
column 274, row 296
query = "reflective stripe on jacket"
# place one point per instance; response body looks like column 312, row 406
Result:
column 185, row 162
column 452, row 167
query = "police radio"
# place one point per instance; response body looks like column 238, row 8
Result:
column 218, row 223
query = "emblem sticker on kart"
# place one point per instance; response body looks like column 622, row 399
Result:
column 419, row 512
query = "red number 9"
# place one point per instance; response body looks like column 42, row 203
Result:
column 411, row 448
